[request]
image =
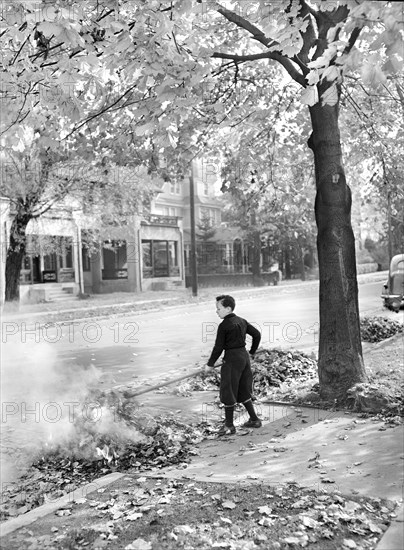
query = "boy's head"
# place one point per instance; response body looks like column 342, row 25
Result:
column 225, row 304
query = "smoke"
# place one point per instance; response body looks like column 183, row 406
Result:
column 42, row 400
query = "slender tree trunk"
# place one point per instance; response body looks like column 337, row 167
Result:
column 256, row 259
column 15, row 254
column 340, row 362
column 301, row 261
column 256, row 251
column 288, row 268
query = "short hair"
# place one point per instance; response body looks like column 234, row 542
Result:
column 226, row 301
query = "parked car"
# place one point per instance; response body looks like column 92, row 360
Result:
column 393, row 289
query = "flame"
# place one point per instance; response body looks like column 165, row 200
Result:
column 107, row 454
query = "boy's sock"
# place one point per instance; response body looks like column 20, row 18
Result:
column 229, row 415
column 250, row 409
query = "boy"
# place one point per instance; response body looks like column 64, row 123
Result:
column 236, row 376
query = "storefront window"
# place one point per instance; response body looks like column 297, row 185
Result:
column 160, row 258
column 173, row 258
column 147, row 259
column 114, row 260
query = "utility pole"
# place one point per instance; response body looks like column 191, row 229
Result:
column 389, row 228
column 193, row 264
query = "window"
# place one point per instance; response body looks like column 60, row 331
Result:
column 175, row 187
column 114, row 260
column 49, row 262
column 85, row 258
column 169, row 211
column 147, row 259
column 68, row 254
column 160, row 258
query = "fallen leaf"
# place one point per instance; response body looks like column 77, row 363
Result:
column 134, row 516
column 139, row 544
column 226, row 520
column 349, row 543
column 265, row 510
column 228, row 504
column 308, row 522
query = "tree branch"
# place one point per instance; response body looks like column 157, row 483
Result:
column 239, row 21
column 258, row 35
column 284, row 61
column 352, row 39
column 309, row 36
column 99, row 113
column 19, row 51
column 238, row 58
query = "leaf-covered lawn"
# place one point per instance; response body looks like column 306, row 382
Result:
column 159, row 514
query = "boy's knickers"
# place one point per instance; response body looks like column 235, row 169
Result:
column 236, row 378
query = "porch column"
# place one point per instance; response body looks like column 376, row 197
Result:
column 134, row 251
column 95, row 262
column 77, row 260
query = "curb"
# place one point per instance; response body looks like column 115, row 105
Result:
column 394, row 536
column 30, row 517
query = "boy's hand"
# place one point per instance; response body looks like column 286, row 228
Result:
column 208, row 369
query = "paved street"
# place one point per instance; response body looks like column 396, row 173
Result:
column 158, row 342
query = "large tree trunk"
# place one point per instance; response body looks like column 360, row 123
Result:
column 15, row 254
column 340, row 363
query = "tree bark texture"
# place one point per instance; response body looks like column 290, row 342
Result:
column 340, row 363
column 15, row 254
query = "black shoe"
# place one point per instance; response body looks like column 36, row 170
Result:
column 226, row 430
column 253, row 423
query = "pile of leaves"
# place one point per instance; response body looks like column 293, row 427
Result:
column 376, row 329
column 280, row 374
column 377, row 399
column 135, row 440
column 139, row 513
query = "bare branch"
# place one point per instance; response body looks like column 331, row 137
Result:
column 352, row 39
column 239, row 21
column 99, row 113
column 284, row 61
column 258, row 35
column 239, row 58
column 20, row 49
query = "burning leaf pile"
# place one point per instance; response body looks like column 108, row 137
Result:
column 116, row 435
column 139, row 513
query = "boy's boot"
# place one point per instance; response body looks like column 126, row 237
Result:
column 254, row 421
column 228, row 427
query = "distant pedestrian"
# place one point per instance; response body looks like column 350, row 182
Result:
column 236, row 379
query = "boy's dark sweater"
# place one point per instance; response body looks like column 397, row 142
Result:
column 231, row 334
